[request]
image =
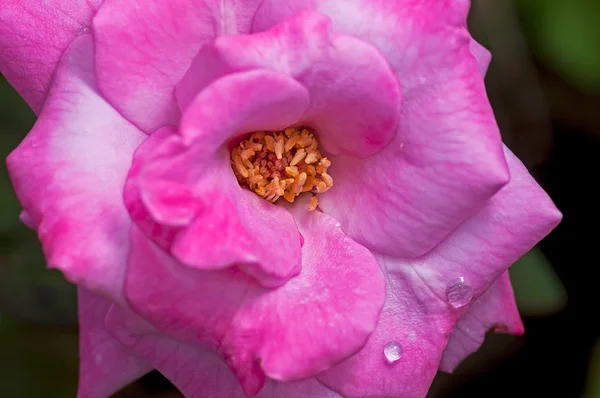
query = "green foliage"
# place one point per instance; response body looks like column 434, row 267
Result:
column 538, row 290
column 565, row 34
column 37, row 361
column 592, row 386
column 27, row 289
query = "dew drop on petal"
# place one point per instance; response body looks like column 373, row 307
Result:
column 84, row 30
column 392, row 352
column 459, row 293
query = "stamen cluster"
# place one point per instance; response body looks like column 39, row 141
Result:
column 285, row 164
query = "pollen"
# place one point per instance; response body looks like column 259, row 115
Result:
column 276, row 164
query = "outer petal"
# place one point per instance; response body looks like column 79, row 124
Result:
column 33, row 36
column 495, row 309
column 183, row 186
column 483, row 247
column 355, row 112
column 144, row 48
column 105, row 364
column 418, row 314
column 447, row 159
column 411, row 317
column 482, row 55
column 316, row 319
column 69, row 173
column 196, row 372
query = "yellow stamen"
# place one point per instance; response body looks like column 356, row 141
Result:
column 292, row 171
column 314, row 201
column 327, row 179
column 291, row 142
column 285, row 164
column 310, row 158
column 279, row 147
column 300, row 154
column 240, row 167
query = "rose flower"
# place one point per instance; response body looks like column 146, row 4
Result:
column 270, row 198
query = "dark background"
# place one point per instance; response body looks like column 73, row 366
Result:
column 544, row 86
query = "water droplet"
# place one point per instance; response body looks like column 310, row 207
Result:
column 338, row 225
column 84, row 30
column 392, row 352
column 459, row 293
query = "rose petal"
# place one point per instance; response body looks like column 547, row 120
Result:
column 105, row 364
column 69, row 173
column 482, row 56
column 242, row 103
column 494, row 310
column 316, row 319
column 411, row 317
column 483, row 247
column 446, row 159
column 195, row 371
column 355, row 112
column 144, row 48
column 183, row 193
column 33, row 36
column 418, row 313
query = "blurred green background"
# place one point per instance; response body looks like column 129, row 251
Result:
column 544, row 86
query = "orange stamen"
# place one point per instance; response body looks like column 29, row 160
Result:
column 286, row 163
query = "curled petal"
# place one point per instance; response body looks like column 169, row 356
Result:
column 69, row 173
column 316, row 319
column 33, row 36
column 183, row 193
column 105, row 364
column 424, row 303
column 354, row 95
column 495, row 310
column 241, row 103
column 197, row 372
column 144, row 48
column 446, row 159
column 414, row 320
column 483, row 247
column 482, row 56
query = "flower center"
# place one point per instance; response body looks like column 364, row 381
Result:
column 276, row 164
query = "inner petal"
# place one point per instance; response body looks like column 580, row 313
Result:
column 183, row 194
column 354, row 95
column 276, row 164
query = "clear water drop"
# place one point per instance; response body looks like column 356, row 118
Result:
column 459, row 293
column 392, row 352
column 84, row 30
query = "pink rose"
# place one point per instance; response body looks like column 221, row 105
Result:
column 148, row 191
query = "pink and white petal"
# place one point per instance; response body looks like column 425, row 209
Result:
column 356, row 112
column 495, row 310
column 144, row 48
column 413, row 319
column 196, row 372
column 483, row 247
column 316, row 319
column 69, row 174
column 106, row 365
column 482, row 56
column 446, row 159
column 241, row 103
column 33, row 36
column 183, row 187
column 418, row 313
